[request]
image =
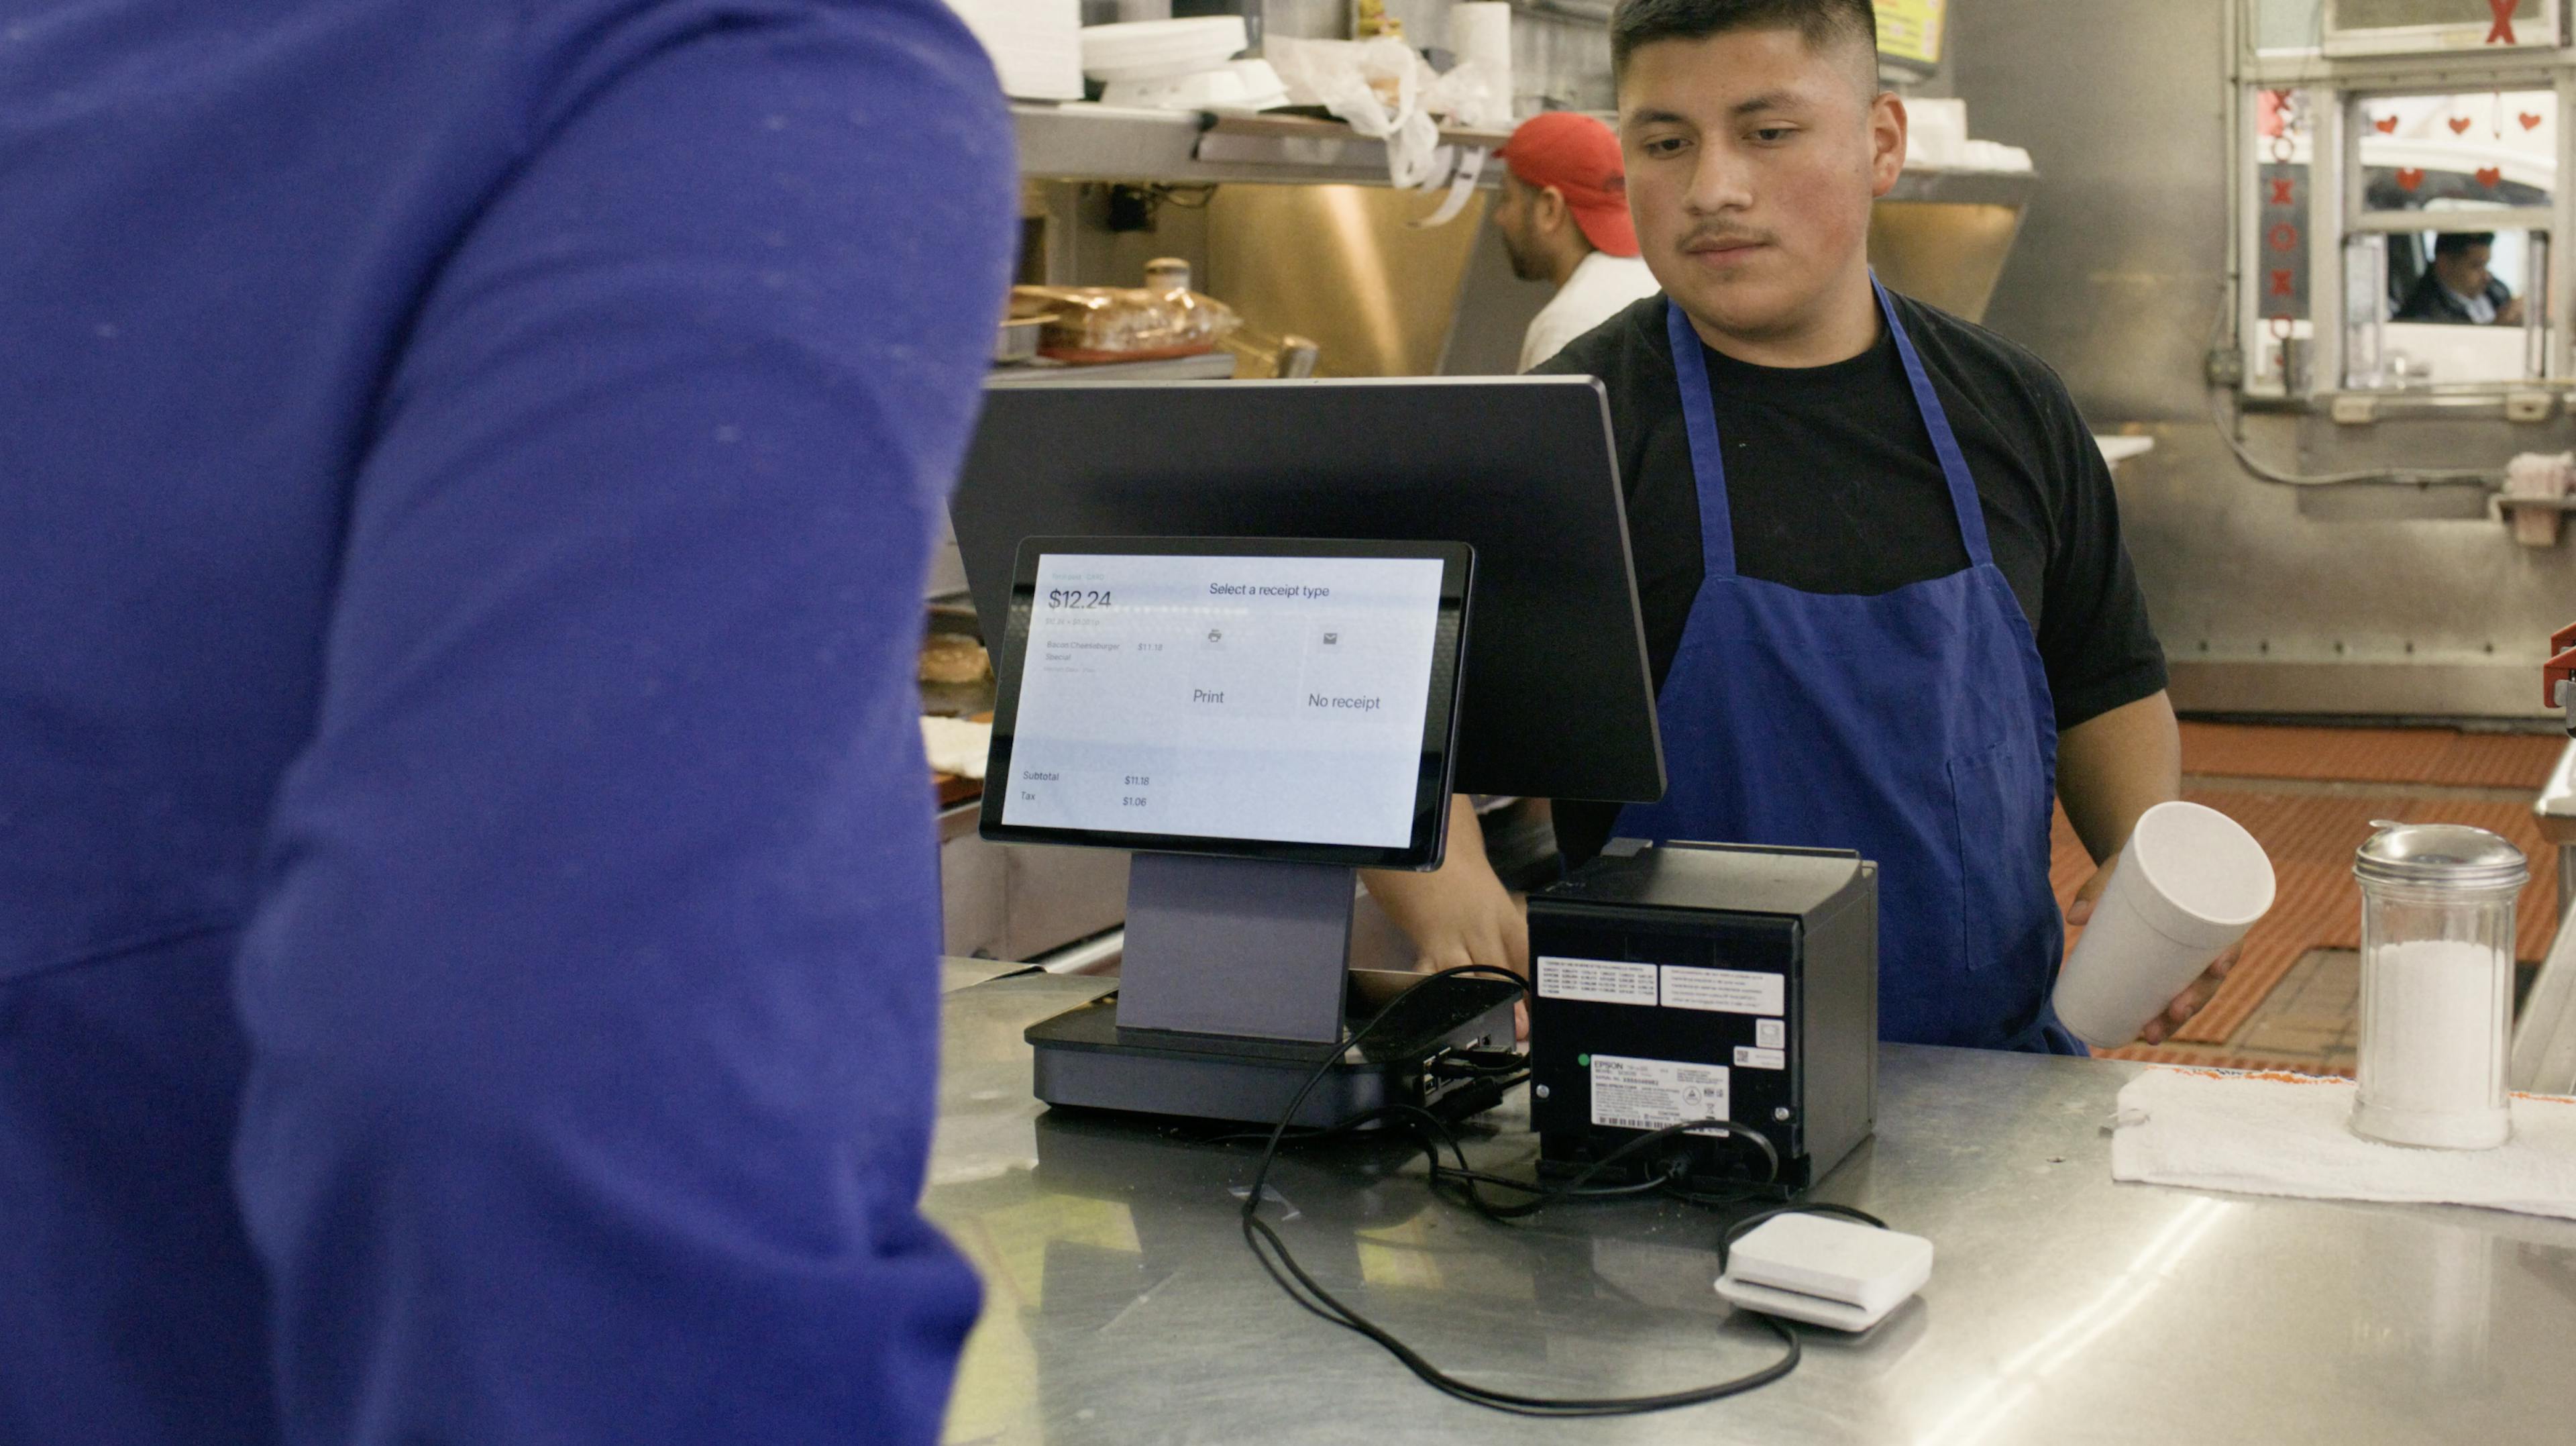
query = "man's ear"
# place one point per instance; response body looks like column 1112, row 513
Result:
column 1887, row 123
column 1549, row 210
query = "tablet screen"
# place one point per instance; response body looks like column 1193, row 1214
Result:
column 1243, row 694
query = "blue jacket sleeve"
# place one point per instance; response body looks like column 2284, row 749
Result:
column 591, row 990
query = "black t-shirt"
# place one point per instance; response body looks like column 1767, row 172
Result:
column 1833, row 488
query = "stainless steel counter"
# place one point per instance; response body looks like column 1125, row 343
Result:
column 956, row 974
column 1121, row 1305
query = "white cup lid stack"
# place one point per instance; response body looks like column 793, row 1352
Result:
column 1161, row 49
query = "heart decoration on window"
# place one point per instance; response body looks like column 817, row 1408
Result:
column 2489, row 175
column 2460, row 125
column 2409, row 180
column 2386, row 126
column 2530, row 122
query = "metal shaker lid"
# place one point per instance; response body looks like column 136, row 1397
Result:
column 2440, row 855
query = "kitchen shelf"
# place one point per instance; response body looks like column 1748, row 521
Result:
column 1078, row 141
column 1964, row 188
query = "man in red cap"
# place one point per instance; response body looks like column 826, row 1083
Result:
column 1564, row 219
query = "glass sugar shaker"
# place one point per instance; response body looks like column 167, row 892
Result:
column 2437, row 944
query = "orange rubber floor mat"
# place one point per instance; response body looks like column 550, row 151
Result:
column 2311, row 836
column 2440, row 756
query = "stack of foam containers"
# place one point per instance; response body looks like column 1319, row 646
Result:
column 1179, row 65
column 1035, row 45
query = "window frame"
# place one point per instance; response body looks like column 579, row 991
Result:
column 2339, row 85
column 2549, row 31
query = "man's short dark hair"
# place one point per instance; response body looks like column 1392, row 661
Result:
column 1823, row 23
column 2461, row 243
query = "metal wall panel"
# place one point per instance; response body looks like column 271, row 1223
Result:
column 1495, row 309
column 1344, row 266
column 2379, row 601
column 1564, row 61
column 1949, row 253
column 2117, row 276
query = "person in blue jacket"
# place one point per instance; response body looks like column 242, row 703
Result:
column 467, row 891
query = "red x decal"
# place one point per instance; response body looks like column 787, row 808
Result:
column 2281, row 283
column 2281, row 193
column 2503, row 10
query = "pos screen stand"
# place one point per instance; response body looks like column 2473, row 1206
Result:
column 1259, row 719
column 1235, row 947
column 1234, row 987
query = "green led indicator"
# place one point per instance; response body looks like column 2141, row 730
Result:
column 1583, row 1061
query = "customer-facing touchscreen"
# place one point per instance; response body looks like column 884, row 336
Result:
column 1229, row 697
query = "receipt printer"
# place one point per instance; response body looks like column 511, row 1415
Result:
column 1682, row 982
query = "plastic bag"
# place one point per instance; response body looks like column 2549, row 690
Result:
column 1376, row 86
column 1116, row 323
column 1471, row 96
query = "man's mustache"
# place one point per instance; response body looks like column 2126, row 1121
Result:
column 1711, row 237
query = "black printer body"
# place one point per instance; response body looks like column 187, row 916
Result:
column 1691, row 981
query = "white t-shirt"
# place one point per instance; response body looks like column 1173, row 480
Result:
column 1600, row 288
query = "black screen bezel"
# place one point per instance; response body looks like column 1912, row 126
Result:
column 1423, row 851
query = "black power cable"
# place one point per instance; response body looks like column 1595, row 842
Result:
column 1272, row 1252
column 1432, row 1130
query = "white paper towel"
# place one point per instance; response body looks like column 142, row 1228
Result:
column 1480, row 34
column 2284, row 1134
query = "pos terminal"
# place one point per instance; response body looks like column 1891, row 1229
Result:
column 1237, row 900
column 1257, row 718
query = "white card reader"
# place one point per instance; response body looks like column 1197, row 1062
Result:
column 1825, row 1271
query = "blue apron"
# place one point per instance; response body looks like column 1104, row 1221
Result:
column 1914, row 726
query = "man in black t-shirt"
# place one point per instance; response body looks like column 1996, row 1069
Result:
column 1878, row 553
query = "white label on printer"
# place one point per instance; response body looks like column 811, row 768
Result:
column 1771, row 1033
column 1601, row 981
column 1648, row 1094
column 1725, row 991
column 1747, row 1057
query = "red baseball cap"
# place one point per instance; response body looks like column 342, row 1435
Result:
column 1580, row 157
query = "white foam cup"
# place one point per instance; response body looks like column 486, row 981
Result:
column 2190, row 883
